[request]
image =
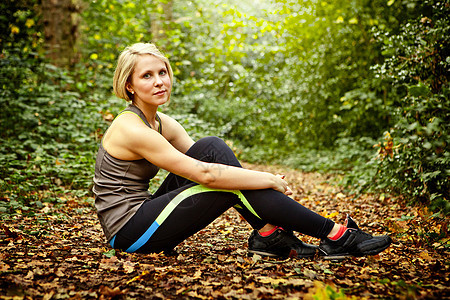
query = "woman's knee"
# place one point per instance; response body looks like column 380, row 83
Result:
column 213, row 149
column 211, row 140
column 208, row 144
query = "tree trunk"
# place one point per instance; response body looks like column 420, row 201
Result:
column 61, row 20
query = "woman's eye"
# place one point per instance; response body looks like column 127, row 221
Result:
column 162, row 73
column 147, row 76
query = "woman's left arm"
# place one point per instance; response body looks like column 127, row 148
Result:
column 175, row 134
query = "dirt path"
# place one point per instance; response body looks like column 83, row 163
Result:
column 59, row 253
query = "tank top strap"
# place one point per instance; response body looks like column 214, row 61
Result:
column 134, row 109
column 160, row 123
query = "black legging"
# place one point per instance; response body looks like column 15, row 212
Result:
column 180, row 208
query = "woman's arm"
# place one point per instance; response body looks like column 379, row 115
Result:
column 133, row 136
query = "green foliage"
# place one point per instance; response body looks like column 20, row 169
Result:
column 294, row 76
column 48, row 136
column 414, row 158
column 20, row 27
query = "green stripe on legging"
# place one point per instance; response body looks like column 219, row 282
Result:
column 197, row 189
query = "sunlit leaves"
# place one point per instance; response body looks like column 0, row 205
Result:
column 113, row 25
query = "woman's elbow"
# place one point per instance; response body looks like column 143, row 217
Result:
column 207, row 179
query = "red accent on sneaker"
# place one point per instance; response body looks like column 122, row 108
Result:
column 267, row 233
column 341, row 232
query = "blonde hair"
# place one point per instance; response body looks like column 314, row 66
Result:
column 126, row 64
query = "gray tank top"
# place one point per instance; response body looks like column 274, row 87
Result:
column 121, row 186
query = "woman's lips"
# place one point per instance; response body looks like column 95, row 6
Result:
column 160, row 93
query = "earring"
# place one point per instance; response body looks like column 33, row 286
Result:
column 132, row 92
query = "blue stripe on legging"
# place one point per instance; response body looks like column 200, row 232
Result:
column 144, row 238
column 112, row 241
column 173, row 204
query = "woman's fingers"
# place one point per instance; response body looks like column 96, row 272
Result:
column 286, row 190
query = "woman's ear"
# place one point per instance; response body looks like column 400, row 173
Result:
column 129, row 88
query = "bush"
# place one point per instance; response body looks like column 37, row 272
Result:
column 414, row 158
column 48, row 136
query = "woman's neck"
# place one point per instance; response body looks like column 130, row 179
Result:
column 149, row 112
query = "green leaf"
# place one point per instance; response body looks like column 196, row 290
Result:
column 110, row 253
column 418, row 90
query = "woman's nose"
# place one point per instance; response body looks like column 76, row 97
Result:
column 158, row 81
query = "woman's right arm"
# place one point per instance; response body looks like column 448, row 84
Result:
column 132, row 136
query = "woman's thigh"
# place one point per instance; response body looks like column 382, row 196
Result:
column 163, row 222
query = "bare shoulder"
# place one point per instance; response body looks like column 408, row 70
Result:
column 127, row 134
column 129, row 124
column 175, row 134
column 171, row 127
column 168, row 120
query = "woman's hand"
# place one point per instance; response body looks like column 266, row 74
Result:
column 282, row 185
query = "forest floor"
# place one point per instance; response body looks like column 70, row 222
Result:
column 59, row 252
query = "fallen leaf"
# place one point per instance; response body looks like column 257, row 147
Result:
column 109, row 292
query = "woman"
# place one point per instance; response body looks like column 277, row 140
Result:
column 205, row 180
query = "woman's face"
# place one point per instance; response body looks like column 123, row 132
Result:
column 150, row 81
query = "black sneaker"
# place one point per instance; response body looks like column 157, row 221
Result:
column 354, row 242
column 280, row 243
